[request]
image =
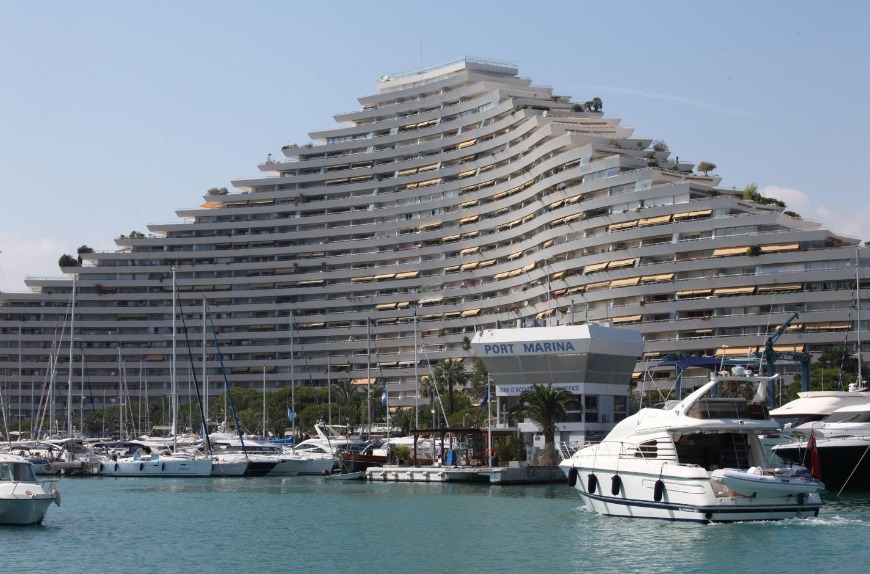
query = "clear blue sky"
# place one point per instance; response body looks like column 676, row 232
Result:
column 114, row 114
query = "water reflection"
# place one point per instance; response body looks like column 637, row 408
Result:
column 853, row 504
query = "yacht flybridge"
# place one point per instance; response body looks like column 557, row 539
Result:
column 697, row 459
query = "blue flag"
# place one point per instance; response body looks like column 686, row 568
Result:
column 485, row 397
column 384, row 398
column 290, row 415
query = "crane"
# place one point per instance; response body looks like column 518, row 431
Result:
column 771, row 356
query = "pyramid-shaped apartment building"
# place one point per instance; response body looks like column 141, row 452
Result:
column 456, row 198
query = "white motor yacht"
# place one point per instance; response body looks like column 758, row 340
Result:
column 284, row 461
column 804, row 413
column 698, row 459
column 23, row 500
column 842, row 445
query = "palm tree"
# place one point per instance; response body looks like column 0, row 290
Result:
column 348, row 397
column 546, row 406
column 450, row 373
column 597, row 104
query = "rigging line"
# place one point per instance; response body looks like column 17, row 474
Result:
column 854, row 469
column 227, row 392
column 193, row 375
column 311, row 380
column 435, row 386
column 846, row 342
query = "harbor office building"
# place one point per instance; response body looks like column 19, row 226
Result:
column 592, row 362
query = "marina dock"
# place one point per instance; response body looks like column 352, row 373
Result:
column 515, row 473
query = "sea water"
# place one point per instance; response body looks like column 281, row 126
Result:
column 306, row 524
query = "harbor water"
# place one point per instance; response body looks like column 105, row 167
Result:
column 305, row 524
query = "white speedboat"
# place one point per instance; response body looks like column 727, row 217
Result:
column 698, row 459
column 23, row 500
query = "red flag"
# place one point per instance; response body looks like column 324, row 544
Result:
column 815, row 466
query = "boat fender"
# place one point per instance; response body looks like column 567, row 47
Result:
column 615, row 485
column 572, row 476
column 141, row 465
column 592, row 483
column 162, row 466
column 801, row 498
column 116, row 466
column 101, row 467
column 659, row 490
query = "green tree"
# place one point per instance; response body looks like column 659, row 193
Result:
column 597, row 104
column 479, row 377
column 67, row 260
column 348, row 397
column 660, row 145
column 706, row 167
column 750, row 192
column 546, row 406
column 451, row 373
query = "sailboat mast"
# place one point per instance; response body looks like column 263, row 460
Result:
column 204, row 370
column 120, row 397
column 292, row 384
column 416, row 378
column 860, row 381
column 264, row 402
column 329, row 385
column 82, row 397
column 172, row 371
column 72, row 323
column 369, row 376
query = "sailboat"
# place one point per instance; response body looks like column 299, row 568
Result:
column 141, row 460
column 301, row 461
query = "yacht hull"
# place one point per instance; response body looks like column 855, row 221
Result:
column 844, row 461
column 25, row 510
column 683, row 497
column 226, row 469
column 161, row 467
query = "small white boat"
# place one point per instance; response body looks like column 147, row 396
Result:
column 23, row 501
column 345, row 475
column 778, row 482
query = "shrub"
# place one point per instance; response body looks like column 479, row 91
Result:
column 660, row 145
column 67, row 260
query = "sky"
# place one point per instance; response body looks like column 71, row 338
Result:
column 115, row 114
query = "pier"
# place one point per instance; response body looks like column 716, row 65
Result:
column 514, row 473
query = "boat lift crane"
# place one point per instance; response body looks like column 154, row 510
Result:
column 771, row 357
